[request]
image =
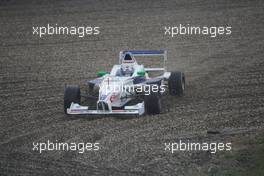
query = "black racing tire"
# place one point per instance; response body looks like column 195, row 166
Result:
column 71, row 94
column 152, row 103
column 176, row 83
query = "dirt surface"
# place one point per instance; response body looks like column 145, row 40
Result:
column 225, row 85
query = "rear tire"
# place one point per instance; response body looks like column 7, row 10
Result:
column 71, row 94
column 152, row 103
column 176, row 83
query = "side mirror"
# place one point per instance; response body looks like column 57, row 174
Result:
column 101, row 73
column 141, row 73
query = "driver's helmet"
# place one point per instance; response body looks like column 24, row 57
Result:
column 127, row 66
column 127, row 69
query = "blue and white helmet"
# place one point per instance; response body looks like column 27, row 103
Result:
column 127, row 66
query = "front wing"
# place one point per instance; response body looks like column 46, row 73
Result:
column 76, row 109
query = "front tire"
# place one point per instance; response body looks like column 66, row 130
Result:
column 152, row 103
column 71, row 94
column 176, row 83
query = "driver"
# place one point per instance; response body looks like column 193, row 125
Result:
column 127, row 66
column 127, row 70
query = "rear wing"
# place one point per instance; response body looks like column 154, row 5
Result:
column 162, row 53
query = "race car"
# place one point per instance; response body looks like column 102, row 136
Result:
column 127, row 89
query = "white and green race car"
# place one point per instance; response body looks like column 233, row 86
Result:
column 127, row 89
